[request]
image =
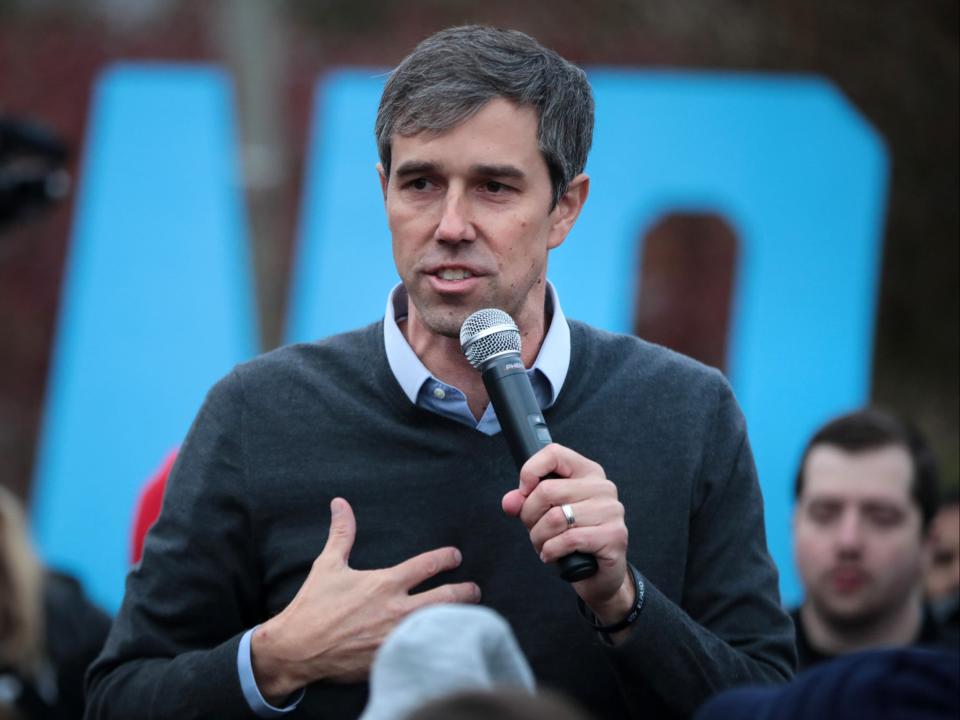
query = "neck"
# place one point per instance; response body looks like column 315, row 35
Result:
column 831, row 637
column 445, row 360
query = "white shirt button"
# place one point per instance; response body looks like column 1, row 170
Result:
column 438, row 393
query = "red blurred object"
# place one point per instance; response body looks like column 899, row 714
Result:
column 148, row 507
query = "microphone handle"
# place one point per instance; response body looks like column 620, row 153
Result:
column 526, row 432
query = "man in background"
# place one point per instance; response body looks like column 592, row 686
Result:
column 866, row 492
column 943, row 577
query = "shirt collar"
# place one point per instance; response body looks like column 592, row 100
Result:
column 552, row 362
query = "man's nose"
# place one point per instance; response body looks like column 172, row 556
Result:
column 455, row 222
column 850, row 531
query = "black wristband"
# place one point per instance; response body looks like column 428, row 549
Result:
column 631, row 616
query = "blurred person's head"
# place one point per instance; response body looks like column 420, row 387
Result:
column 442, row 649
column 865, row 492
column 900, row 683
column 21, row 591
column 452, row 74
column 500, row 704
column 943, row 576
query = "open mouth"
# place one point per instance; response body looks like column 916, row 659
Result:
column 454, row 274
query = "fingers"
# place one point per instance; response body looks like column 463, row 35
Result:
column 555, row 460
column 557, row 476
column 608, row 543
column 414, row 571
column 343, row 531
column 512, row 503
column 467, row 592
column 588, row 513
column 579, row 483
column 555, row 492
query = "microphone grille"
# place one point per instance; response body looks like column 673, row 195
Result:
column 487, row 333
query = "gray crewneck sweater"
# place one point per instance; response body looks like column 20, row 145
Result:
column 247, row 510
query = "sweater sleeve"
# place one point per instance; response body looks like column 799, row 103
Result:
column 729, row 628
column 172, row 650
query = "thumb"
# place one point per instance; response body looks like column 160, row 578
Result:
column 343, row 530
column 512, row 503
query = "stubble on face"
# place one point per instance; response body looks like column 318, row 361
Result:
column 851, row 615
column 446, row 318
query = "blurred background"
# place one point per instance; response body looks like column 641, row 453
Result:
column 897, row 62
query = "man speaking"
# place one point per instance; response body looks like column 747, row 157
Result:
column 326, row 490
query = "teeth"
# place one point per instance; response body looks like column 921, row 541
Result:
column 451, row 274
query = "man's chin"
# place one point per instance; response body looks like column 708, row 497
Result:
column 847, row 611
column 446, row 323
column 447, row 319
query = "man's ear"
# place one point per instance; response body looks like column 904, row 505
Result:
column 568, row 209
column 384, row 180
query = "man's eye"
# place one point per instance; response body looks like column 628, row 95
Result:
column 944, row 557
column 419, row 184
column 822, row 514
column 492, row 186
column 884, row 517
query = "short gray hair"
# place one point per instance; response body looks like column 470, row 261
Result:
column 452, row 74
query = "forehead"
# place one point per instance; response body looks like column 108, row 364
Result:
column 883, row 473
column 947, row 521
column 500, row 132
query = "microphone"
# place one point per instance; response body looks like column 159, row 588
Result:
column 490, row 340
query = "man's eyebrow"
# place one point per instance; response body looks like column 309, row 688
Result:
column 884, row 504
column 825, row 500
column 425, row 167
column 412, row 167
column 504, row 171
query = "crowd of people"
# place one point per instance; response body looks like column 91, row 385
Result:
column 409, row 597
